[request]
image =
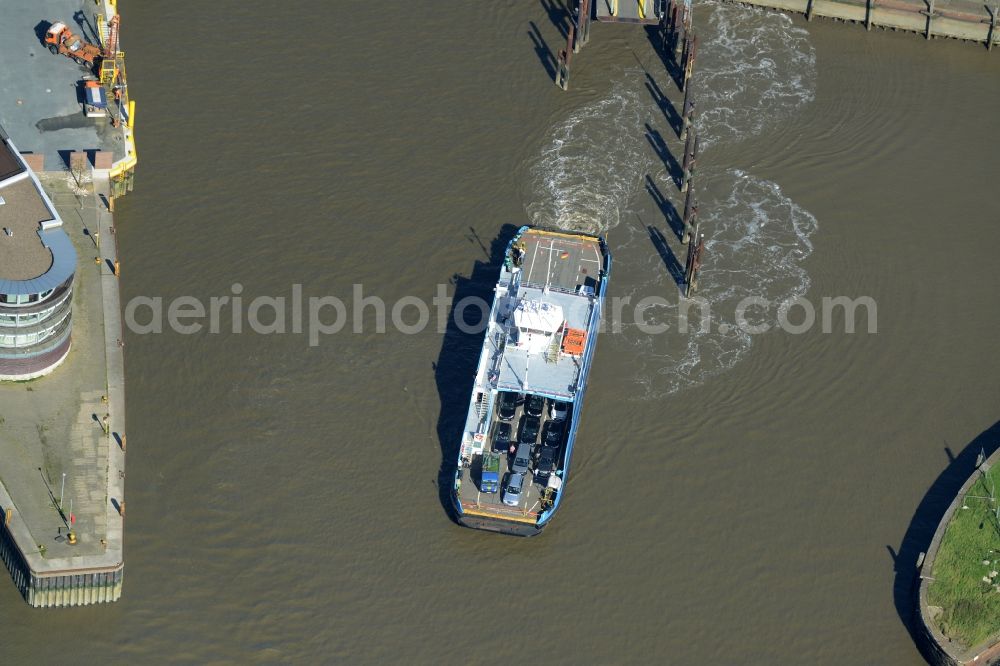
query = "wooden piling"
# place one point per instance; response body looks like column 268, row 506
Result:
column 562, row 68
column 690, row 214
column 583, row 25
column 695, row 251
column 676, row 30
column 687, row 113
column 993, row 26
column 690, row 50
column 665, row 26
column 690, row 158
column 930, row 18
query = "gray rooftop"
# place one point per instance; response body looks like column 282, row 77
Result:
column 35, row 253
column 536, row 373
column 22, row 254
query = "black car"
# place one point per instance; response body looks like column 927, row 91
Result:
column 508, row 406
column 546, row 464
column 501, row 438
column 534, row 404
column 553, row 434
column 529, row 429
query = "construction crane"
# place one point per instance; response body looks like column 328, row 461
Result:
column 111, row 46
column 113, row 64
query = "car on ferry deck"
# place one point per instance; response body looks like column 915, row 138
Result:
column 529, row 429
column 534, row 404
column 508, row 406
column 522, row 458
column 512, row 490
column 553, row 434
column 501, row 438
column 546, row 465
column 558, row 410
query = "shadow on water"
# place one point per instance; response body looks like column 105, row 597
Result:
column 924, row 523
column 665, row 50
column 559, row 15
column 455, row 368
column 542, row 50
column 663, row 152
column 666, row 207
column 670, row 261
column 665, row 105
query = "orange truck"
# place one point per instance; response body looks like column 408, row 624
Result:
column 61, row 39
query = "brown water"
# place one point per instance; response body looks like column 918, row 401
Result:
column 732, row 500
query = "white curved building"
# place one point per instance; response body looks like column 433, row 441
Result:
column 37, row 265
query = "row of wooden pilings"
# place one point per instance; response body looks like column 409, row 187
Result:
column 678, row 48
column 679, row 43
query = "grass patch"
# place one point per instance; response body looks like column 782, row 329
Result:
column 966, row 584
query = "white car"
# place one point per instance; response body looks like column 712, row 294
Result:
column 512, row 493
column 558, row 410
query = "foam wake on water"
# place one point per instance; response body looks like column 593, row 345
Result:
column 755, row 68
column 592, row 167
column 757, row 239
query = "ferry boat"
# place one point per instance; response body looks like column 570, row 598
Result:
column 527, row 398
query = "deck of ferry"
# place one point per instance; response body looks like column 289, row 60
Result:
column 561, row 261
column 472, row 499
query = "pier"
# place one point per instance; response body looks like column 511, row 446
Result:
column 954, row 19
column 62, row 422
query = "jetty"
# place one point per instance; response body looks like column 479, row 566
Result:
column 67, row 151
column 955, row 19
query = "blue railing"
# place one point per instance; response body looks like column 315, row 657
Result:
column 584, row 375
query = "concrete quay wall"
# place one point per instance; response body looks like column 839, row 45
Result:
column 78, row 587
column 938, row 648
column 956, row 19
